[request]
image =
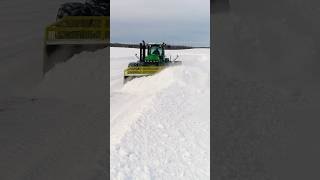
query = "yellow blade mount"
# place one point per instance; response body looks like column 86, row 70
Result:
column 142, row 70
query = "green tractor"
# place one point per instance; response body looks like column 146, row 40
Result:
column 149, row 64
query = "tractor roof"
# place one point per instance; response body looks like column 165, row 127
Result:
column 156, row 44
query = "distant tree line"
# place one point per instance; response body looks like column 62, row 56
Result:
column 172, row 47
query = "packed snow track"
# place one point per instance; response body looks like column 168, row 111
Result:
column 160, row 125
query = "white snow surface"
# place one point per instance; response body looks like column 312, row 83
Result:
column 84, row 75
column 48, row 128
column 58, row 129
column 160, row 125
column 21, row 44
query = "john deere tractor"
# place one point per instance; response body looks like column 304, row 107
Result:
column 152, row 60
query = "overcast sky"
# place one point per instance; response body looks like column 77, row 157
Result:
column 184, row 22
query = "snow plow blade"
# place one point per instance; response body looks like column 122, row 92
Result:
column 140, row 71
column 71, row 35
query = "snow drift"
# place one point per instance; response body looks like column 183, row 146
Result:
column 58, row 129
column 160, row 124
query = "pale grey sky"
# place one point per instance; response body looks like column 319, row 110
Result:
column 172, row 21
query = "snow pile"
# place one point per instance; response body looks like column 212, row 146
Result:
column 84, row 75
column 160, row 125
column 58, row 130
column 43, row 134
column 22, row 48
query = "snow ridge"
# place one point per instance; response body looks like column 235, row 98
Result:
column 160, row 124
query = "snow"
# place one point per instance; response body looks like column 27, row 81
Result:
column 51, row 127
column 47, row 130
column 84, row 75
column 21, row 49
column 57, row 129
column 54, row 127
column 160, row 125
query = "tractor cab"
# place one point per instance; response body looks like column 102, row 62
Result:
column 155, row 53
column 156, row 49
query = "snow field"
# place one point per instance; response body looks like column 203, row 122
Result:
column 160, row 124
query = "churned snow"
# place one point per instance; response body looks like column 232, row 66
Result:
column 47, row 130
column 57, row 130
column 22, row 34
column 160, row 125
